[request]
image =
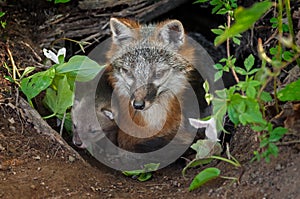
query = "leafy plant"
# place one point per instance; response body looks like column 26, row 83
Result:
column 58, row 82
column 3, row 23
column 244, row 102
column 143, row 174
column 207, row 150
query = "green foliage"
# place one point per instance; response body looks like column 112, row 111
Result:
column 221, row 6
column 3, row 23
column 143, row 174
column 58, row 82
column 60, row 1
column 291, row 92
column 274, row 22
column 245, row 101
column 33, row 85
column 207, row 150
column 203, row 177
column 245, row 19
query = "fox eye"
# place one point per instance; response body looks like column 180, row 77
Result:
column 159, row 74
column 126, row 72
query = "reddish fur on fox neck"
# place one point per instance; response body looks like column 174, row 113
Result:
column 168, row 131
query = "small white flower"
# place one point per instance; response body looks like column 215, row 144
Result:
column 210, row 125
column 52, row 56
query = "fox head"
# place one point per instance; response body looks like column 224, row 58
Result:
column 147, row 62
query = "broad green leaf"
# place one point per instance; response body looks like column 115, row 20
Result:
column 249, row 62
column 151, row 167
column 219, row 109
column 61, row 99
column 291, row 92
column 80, row 67
column 203, row 177
column 244, row 19
column 206, row 148
column 2, row 14
column 31, row 86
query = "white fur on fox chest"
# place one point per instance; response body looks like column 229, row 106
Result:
column 156, row 116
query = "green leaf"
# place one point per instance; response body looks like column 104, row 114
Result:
column 203, row 177
column 27, row 70
column 217, row 31
column 240, row 71
column 2, row 14
column 216, row 8
column 218, row 66
column 145, row 176
column 206, row 148
column 80, row 67
column 218, row 75
column 245, row 19
column 273, row 149
column 291, row 92
column 287, row 56
column 249, row 62
column 236, row 40
column 219, row 108
column 251, row 92
column 61, row 1
column 266, row 97
column 151, row 167
column 9, row 78
column 31, row 86
column 273, row 50
column 61, row 99
column 222, row 11
column 251, row 72
column 133, row 172
column 277, row 134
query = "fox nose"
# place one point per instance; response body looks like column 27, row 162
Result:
column 139, row 104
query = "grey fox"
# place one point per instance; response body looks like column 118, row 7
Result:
column 154, row 85
column 150, row 69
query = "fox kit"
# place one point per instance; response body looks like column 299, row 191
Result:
column 150, row 68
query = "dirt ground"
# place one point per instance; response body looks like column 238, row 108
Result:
column 34, row 165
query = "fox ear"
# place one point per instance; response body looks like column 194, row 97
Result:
column 172, row 33
column 120, row 31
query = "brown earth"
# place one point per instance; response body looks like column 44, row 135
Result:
column 34, row 165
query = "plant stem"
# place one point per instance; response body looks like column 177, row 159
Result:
column 228, row 50
column 290, row 25
column 49, row 116
column 236, row 164
column 229, row 178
